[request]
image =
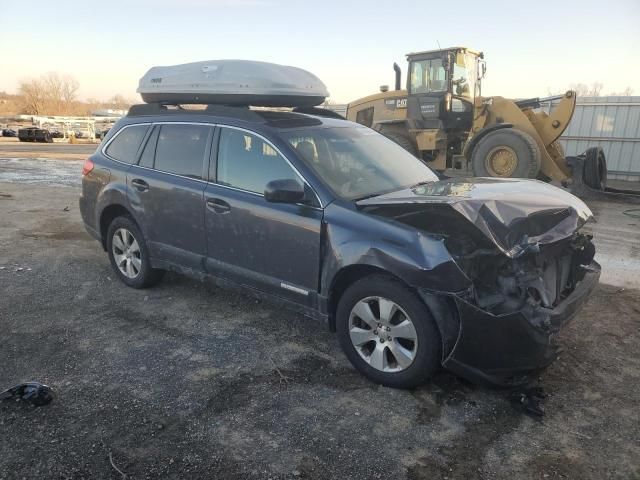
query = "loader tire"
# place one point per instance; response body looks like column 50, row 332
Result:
column 506, row 153
column 595, row 168
column 402, row 140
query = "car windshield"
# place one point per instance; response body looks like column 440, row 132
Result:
column 357, row 162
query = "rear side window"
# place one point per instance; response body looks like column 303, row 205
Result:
column 180, row 149
column 149, row 151
column 126, row 143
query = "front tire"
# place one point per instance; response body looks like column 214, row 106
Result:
column 129, row 255
column 506, row 153
column 388, row 333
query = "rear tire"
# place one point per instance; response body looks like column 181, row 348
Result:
column 506, row 153
column 595, row 168
column 403, row 140
column 129, row 255
column 394, row 360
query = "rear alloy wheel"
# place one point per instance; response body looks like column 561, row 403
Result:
column 387, row 332
column 506, row 153
column 128, row 254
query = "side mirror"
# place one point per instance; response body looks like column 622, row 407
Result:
column 284, row 191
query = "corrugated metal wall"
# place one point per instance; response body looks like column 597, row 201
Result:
column 612, row 123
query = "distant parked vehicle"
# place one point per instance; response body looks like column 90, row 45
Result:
column 100, row 134
column 8, row 132
column 56, row 134
column 35, row 134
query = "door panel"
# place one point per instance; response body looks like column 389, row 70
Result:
column 263, row 244
column 274, row 247
column 171, row 208
column 168, row 204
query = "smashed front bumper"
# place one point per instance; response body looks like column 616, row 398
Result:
column 503, row 349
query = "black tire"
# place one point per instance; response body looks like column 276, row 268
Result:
column 403, row 140
column 525, row 148
column 427, row 358
column 146, row 275
column 595, row 168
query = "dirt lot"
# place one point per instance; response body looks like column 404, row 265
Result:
column 190, row 381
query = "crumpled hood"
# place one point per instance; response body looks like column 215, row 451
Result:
column 513, row 213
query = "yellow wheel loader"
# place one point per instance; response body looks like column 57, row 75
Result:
column 442, row 118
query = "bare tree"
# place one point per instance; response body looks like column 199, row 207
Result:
column 627, row 92
column 584, row 90
column 596, row 89
column 119, row 102
column 33, row 95
column 70, row 87
column 581, row 89
column 51, row 93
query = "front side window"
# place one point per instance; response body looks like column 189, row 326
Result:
column 125, row 144
column 180, row 149
column 358, row 162
column 247, row 162
column 428, row 76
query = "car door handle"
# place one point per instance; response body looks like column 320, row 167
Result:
column 140, row 185
column 218, row 205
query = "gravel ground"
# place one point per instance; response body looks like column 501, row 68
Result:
column 187, row 380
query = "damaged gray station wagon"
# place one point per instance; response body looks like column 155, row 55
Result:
column 413, row 273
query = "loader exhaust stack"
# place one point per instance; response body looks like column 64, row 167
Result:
column 396, row 68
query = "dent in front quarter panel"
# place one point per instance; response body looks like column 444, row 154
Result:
column 355, row 238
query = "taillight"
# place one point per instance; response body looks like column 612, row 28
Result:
column 87, row 167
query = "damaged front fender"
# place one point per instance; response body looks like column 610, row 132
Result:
column 417, row 258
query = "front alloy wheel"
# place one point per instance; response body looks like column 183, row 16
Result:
column 387, row 332
column 383, row 334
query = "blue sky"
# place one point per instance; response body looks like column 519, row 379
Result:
column 530, row 47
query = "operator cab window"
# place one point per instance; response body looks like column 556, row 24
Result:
column 365, row 117
column 180, row 149
column 461, row 80
column 428, row 76
column 247, row 162
column 124, row 146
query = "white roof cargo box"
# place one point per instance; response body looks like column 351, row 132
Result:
column 233, row 82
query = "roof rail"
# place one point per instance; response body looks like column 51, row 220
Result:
column 319, row 112
column 240, row 112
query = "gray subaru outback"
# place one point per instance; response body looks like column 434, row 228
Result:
column 336, row 221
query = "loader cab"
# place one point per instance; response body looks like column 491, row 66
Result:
column 442, row 86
